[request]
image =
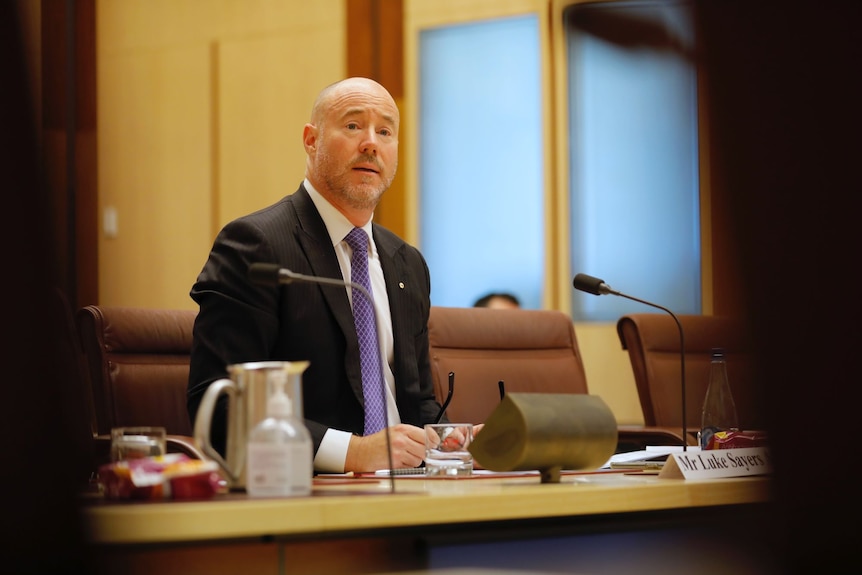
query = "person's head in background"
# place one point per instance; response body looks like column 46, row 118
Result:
column 498, row 301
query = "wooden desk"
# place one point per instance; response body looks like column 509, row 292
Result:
column 358, row 525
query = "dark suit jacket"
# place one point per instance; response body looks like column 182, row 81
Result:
column 240, row 322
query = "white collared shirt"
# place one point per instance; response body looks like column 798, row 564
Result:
column 332, row 452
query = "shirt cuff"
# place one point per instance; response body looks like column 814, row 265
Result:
column 332, row 452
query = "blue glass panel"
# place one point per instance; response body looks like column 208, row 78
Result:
column 634, row 160
column 480, row 156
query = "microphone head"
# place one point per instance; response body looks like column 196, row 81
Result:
column 589, row 284
column 264, row 274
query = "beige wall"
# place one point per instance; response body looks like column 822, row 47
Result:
column 201, row 105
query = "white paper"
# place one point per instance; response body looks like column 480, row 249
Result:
column 651, row 452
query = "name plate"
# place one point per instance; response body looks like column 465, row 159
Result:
column 715, row 463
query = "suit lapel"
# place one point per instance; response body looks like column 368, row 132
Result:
column 390, row 262
column 394, row 275
column 315, row 242
column 317, row 245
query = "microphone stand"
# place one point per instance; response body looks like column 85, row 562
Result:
column 262, row 273
column 596, row 286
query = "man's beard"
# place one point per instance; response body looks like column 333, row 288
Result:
column 365, row 195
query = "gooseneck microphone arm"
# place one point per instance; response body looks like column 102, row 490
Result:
column 595, row 286
column 273, row 274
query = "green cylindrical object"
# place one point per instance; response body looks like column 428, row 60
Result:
column 547, row 432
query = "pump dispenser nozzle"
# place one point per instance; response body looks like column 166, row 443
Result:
column 278, row 405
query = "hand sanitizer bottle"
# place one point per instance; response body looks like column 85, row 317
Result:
column 719, row 410
column 279, row 449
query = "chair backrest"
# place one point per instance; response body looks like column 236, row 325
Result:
column 529, row 350
column 75, row 393
column 653, row 342
column 139, row 366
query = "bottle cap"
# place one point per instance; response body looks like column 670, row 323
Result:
column 717, row 352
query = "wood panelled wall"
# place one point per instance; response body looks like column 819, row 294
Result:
column 375, row 49
column 67, row 89
column 200, row 119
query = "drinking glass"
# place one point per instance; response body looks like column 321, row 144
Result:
column 137, row 442
column 446, row 449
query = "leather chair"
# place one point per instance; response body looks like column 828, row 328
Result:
column 652, row 341
column 534, row 351
column 529, row 350
column 138, row 362
column 75, row 394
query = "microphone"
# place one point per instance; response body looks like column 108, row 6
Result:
column 273, row 274
column 595, row 286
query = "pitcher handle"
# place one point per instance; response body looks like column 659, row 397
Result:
column 203, row 421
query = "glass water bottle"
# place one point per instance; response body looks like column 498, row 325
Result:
column 719, row 410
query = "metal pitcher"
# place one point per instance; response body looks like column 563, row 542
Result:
column 248, row 390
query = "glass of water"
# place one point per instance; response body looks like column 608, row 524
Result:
column 446, row 449
column 137, row 442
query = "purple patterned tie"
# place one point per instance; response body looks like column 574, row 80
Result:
column 369, row 347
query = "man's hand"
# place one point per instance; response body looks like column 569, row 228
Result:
column 476, row 429
column 369, row 453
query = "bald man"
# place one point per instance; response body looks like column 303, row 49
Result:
column 351, row 142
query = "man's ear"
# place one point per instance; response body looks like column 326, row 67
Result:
column 309, row 137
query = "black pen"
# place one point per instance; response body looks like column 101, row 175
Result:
column 448, row 397
column 502, row 389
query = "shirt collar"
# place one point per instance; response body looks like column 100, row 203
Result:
column 336, row 224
